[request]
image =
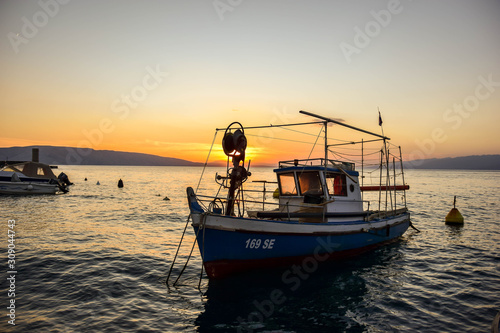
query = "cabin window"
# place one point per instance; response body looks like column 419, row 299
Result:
column 10, row 169
column 40, row 172
column 310, row 183
column 287, row 184
column 336, row 183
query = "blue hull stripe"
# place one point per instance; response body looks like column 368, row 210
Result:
column 227, row 247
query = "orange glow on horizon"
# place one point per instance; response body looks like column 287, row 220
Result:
column 192, row 142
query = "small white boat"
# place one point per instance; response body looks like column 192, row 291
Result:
column 32, row 178
column 321, row 213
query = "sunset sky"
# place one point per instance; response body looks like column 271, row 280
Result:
column 159, row 76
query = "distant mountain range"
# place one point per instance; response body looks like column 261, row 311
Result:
column 82, row 156
column 476, row 162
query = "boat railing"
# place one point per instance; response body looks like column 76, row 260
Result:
column 347, row 166
column 217, row 204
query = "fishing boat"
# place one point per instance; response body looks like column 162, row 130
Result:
column 32, row 178
column 322, row 212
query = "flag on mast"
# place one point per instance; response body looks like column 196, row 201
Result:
column 379, row 119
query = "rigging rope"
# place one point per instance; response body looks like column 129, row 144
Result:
column 308, row 157
column 206, row 162
column 274, row 138
column 301, row 132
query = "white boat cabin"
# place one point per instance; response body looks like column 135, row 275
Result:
column 335, row 187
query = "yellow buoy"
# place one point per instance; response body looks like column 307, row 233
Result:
column 276, row 193
column 454, row 216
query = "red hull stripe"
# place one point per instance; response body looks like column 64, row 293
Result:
column 385, row 188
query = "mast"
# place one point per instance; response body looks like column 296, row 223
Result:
column 380, row 179
column 234, row 146
column 402, row 173
column 362, row 166
column 388, row 178
column 394, row 168
column 326, row 145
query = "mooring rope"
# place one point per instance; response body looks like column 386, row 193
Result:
column 178, row 248
column 185, row 265
column 202, row 226
column 413, row 227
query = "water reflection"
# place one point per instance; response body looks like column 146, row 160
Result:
column 454, row 232
column 328, row 299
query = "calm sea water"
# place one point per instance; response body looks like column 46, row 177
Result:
column 96, row 260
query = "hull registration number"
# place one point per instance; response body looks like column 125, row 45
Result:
column 257, row 243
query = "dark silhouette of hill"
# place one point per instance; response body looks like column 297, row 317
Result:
column 475, row 162
column 82, row 156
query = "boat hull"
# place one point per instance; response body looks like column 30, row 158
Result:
column 231, row 245
column 27, row 188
